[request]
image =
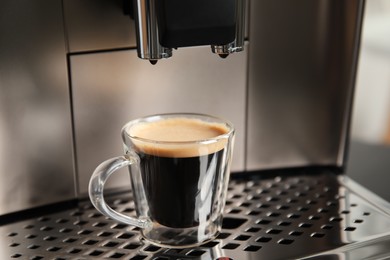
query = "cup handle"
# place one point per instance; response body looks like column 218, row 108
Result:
column 96, row 186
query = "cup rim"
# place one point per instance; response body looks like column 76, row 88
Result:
column 156, row 117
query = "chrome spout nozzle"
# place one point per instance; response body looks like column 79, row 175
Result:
column 238, row 44
column 148, row 46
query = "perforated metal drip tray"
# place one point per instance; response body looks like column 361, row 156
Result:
column 322, row 216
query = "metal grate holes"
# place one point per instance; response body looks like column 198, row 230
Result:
column 295, row 233
column 110, row 244
column 242, row 238
column 116, row 255
column 211, row 244
column 53, row 249
column 132, row 246
column 152, row 248
column 90, row 242
column 285, row 241
column 139, row 257
column 252, row 248
column 196, row 252
column 125, row 235
column 223, row 235
column 96, row 253
column 264, row 239
column 230, row 246
column 260, row 216
column 317, row 235
column 105, row 234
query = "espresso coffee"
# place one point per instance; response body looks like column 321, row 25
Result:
column 178, row 178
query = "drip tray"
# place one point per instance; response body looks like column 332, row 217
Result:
column 321, row 216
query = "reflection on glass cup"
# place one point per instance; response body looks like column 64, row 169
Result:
column 179, row 167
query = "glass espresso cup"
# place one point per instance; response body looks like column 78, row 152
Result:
column 179, row 169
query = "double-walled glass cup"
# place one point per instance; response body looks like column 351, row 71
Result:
column 179, row 168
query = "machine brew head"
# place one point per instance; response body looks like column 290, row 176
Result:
column 163, row 25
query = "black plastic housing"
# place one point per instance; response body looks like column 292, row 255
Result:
column 213, row 23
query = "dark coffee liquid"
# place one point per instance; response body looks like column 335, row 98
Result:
column 178, row 189
column 180, row 175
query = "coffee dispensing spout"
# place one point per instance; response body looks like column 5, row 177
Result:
column 163, row 25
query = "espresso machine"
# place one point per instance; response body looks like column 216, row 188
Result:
column 73, row 72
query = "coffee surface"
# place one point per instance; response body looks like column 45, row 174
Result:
column 171, row 137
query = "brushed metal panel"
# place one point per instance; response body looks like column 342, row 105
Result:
column 302, row 63
column 36, row 164
column 112, row 88
column 97, row 24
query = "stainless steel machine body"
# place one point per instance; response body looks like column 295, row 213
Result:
column 69, row 74
column 289, row 93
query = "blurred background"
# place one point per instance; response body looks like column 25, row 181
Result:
column 371, row 120
column 370, row 147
